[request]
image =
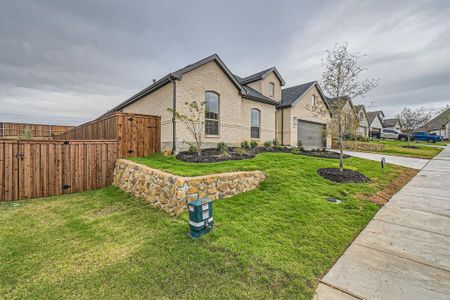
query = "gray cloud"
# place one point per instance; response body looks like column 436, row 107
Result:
column 69, row 61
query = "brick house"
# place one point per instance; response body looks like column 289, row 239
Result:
column 252, row 108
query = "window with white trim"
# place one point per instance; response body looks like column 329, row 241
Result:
column 211, row 113
column 255, row 123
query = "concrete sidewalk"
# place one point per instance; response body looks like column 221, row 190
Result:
column 404, row 252
column 410, row 162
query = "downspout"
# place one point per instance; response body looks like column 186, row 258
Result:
column 282, row 126
column 174, row 107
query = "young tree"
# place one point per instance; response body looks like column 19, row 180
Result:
column 341, row 80
column 193, row 119
column 411, row 119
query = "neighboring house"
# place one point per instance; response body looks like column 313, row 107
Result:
column 303, row 116
column 440, row 125
column 361, row 113
column 392, row 124
column 375, row 119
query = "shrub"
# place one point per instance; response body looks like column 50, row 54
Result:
column 241, row 151
column 192, row 148
column 222, row 147
column 300, row 144
column 275, row 142
column 268, row 144
column 253, row 144
column 245, row 145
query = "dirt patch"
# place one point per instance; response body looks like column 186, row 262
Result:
column 322, row 154
column 334, row 174
column 394, row 186
column 411, row 147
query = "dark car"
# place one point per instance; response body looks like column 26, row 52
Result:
column 425, row 136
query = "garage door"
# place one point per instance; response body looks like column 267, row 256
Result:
column 311, row 135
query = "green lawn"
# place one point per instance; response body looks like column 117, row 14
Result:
column 394, row 147
column 272, row 242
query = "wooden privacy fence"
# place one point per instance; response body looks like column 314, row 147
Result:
column 13, row 130
column 32, row 169
column 136, row 134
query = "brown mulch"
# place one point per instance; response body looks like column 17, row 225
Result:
column 386, row 194
column 334, row 174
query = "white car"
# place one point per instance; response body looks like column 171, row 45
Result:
column 393, row 134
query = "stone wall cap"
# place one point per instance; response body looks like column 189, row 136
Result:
column 129, row 162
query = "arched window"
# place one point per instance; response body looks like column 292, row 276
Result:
column 255, row 123
column 271, row 89
column 211, row 113
column 361, row 115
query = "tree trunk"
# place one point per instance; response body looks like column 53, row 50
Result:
column 409, row 139
column 341, row 153
column 199, row 148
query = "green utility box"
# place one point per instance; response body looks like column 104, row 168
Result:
column 200, row 217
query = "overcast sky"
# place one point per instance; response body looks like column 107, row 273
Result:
column 70, row 61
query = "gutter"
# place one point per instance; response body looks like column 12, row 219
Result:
column 282, row 127
column 173, row 79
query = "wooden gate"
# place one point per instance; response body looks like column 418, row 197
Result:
column 33, row 169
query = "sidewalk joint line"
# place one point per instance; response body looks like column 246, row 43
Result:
column 402, row 257
column 420, row 229
column 342, row 290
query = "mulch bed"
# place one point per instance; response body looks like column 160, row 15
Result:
column 411, row 147
column 213, row 155
column 334, row 174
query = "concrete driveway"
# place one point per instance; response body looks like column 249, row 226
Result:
column 404, row 252
column 410, row 162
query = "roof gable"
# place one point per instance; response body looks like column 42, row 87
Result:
column 290, row 96
column 261, row 75
column 439, row 121
column 371, row 115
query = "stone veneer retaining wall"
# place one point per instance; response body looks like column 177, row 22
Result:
column 172, row 193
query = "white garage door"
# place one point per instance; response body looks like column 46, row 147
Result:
column 311, row 135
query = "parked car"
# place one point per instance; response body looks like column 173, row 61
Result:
column 393, row 134
column 425, row 136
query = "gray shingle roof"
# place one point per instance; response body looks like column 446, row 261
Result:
column 439, row 121
column 371, row 115
column 245, row 91
column 253, row 94
column 390, row 122
column 260, row 75
column 291, row 94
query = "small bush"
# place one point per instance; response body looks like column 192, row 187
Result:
column 222, row 147
column 253, row 144
column 192, row 148
column 241, row 151
column 275, row 142
column 268, row 144
column 300, row 144
column 167, row 153
column 245, row 145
